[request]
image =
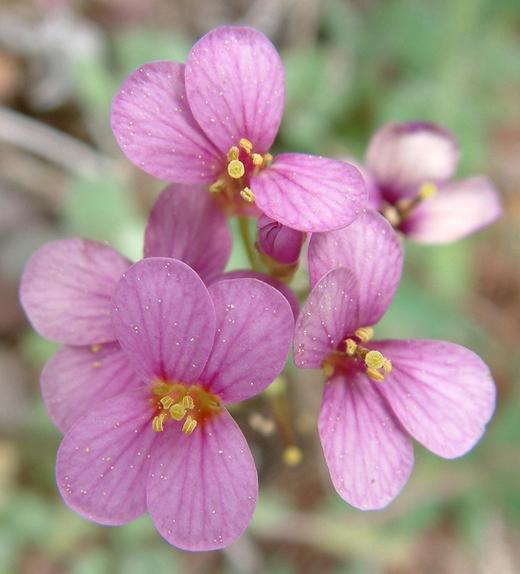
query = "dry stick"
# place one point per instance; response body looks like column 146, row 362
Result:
column 42, row 140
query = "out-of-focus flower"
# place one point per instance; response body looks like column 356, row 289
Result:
column 213, row 121
column 379, row 394
column 412, row 165
column 165, row 443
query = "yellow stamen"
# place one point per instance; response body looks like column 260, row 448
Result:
column 177, row 411
column 187, row 402
column 158, row 422
column 233, row 153
column 328, row 369
column 95, row 348
column 161, row 389
column 247, row 195
column 427, row 190
column 387, row 367
column 258, row 160
column 375, row 375
column 292, row 456
column 374, row 360
column 350, row 347
column 166, row 402
column 236, row 169
column 246, row 145
column 189, row 425
column 96, row 364
column 268, row 158
column 364, row 334
column 217, row 186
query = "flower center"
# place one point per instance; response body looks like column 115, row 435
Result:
column 242, row 164
column 191, row 405
column 375, row 364
column 404, row 207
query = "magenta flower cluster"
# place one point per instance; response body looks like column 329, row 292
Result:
column 154, row 352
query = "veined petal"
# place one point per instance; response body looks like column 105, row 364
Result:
column 310, row 193
column 235, row 85
column 186, row 224
column 103, row 460
column 371, row 249
column 330, row 313
column 66, row 290
column 255, row 325
column 442, row 393
column 458, row 209
column 369, row 456
column 164, row 319
column 202, row 488
column 402, row 156
column 284, row 289
column 77, row 379
column 154, row 127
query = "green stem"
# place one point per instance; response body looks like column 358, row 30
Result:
column 247, row 242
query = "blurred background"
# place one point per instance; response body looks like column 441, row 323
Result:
column 350, row 67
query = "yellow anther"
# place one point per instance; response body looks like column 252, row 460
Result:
column 246, row 145
column 166, row 402
column 268, row 158
column 387, row 367
column 161, row 389
column 96, row 364
column 187, row 402
column 364, row 334
column 247, row 195
column 258, row 160
column 177, row 411
column 374, row 360
column 236, row 169
column 158, row 422
column 217, row 186
column 375, row 375
column 233, row 153
column 292, row 455
column 350, row 347
column 95, row 348
column 328, row 369
column 189, row 425
column 427, row 190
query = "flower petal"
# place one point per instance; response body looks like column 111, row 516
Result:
column 255, row 325
column 369, row 456
column 330, row 313
column 235, row 86
column 76, row 379
column 154, row 127
column 186, row 224
column 103, row 460
column 371, row 249
column 284, row 289
column 402, row 156
column 164, row 319
column 458, row 209
column 278, row 241
column 310, row 193
column 442, row 393
column 202, row 488
column 66, row 290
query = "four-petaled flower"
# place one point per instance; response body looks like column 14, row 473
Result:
column 379, row 394
column 212, row 122
column 165, row 443
column 409, row 169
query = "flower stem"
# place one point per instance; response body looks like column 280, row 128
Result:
column 245, row 234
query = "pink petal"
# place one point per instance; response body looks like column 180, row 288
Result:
column 329, row 315
column 76, row 379
column 103, row 460
column 186, row 224
column 155, row 129
column 66, row 290
column 460, row 208
column 442, row 393
column 371, row 249
column 403, row 156
column 284, row 289
column 310, row 193
column 164, row 319
column 202, row 488
column 369, row 456
column 255, row 325
column 278, row 241
column 235, row 86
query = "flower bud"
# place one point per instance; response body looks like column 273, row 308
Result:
column 281, row 243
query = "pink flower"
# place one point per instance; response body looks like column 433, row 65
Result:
column 412, row 165
column 212, row 122
column 165, row 443
column 380, row 394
